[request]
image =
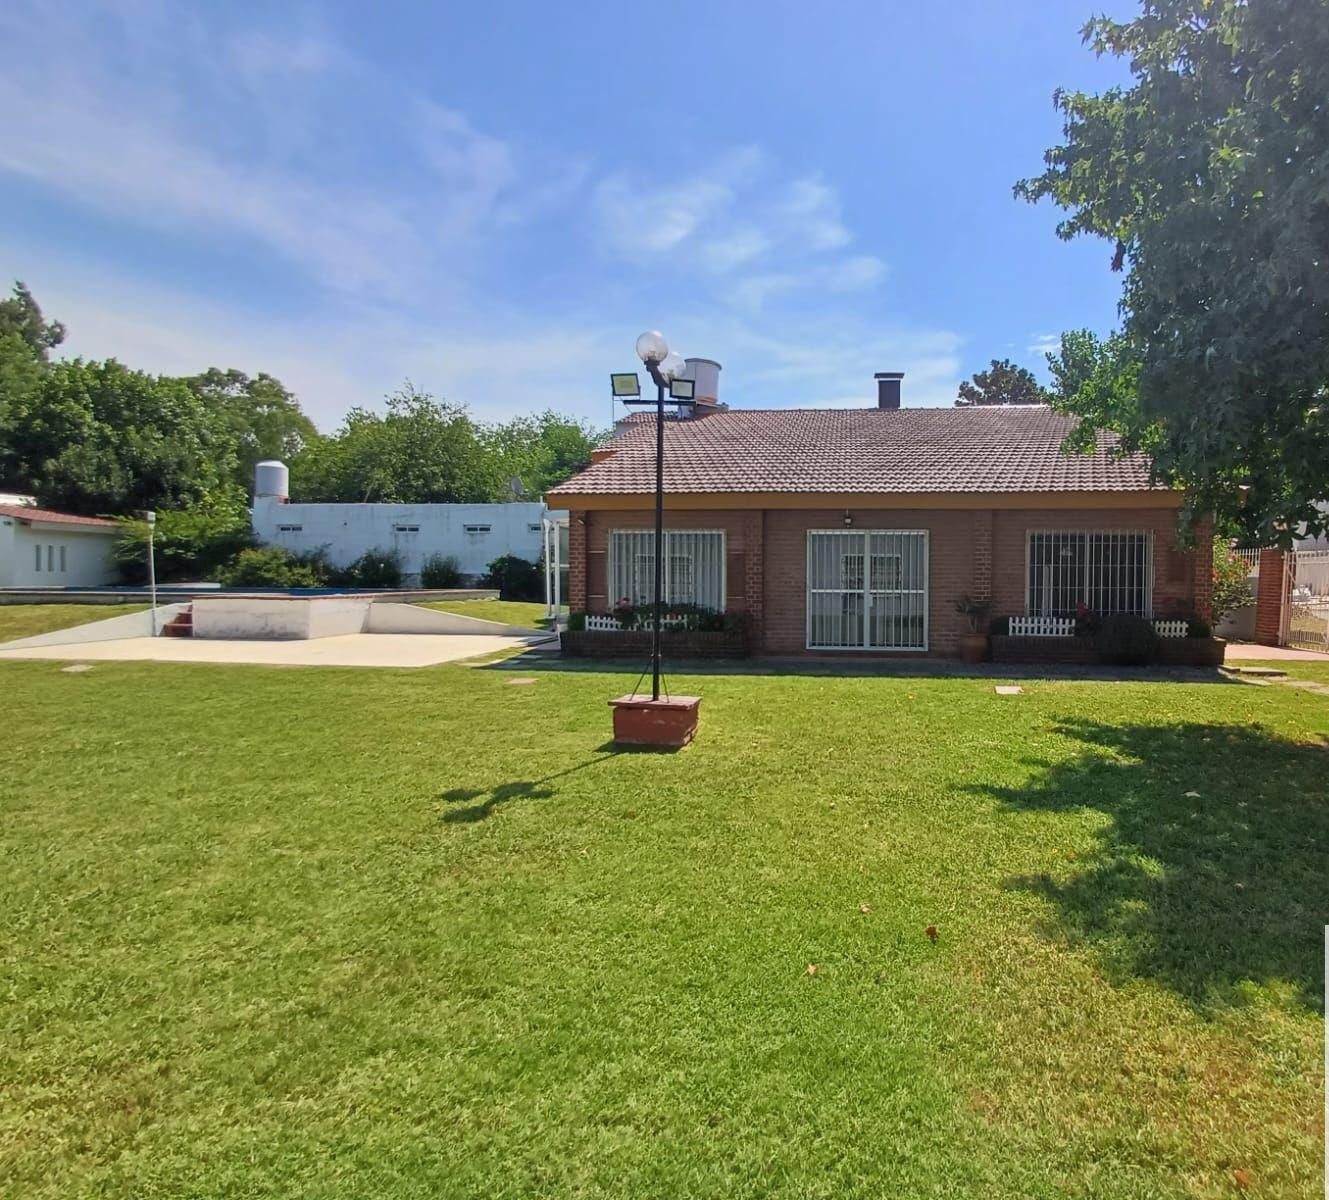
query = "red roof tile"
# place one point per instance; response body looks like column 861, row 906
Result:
column 25, row 512
column 986, row 449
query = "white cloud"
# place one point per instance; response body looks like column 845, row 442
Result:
column 128, row 137
column 1045, row 343
column 810, row 212
column 736, row 218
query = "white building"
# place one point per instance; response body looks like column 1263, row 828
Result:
column 41, row 548
column 473, row 534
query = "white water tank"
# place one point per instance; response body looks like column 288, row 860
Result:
column 705, row 373
column 271, row 478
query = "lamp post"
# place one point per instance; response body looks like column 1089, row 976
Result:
column 151, row 518
column 671, row 722
column 665, row 368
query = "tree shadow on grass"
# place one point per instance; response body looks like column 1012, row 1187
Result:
column 519, row 789
column 1213, row 874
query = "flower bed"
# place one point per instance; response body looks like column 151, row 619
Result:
column 1172, row 651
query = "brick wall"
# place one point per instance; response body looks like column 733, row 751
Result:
column 1270, row 596
column 1175, row 569
column 577, row 522
column 978, row 552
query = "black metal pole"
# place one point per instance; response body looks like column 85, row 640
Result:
column 659, row 537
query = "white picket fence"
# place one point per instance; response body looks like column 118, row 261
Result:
column 1169, row 627
column 604, row 624
column 1042, row 626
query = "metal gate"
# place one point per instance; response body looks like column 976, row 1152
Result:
column 1305, row 623
column 867, row 589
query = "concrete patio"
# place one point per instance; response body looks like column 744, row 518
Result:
column 348, row 650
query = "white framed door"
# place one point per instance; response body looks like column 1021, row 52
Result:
column 867, row 589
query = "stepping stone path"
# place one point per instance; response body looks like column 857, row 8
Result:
column 75, row 669
column 519, row 682
column 1009, row 691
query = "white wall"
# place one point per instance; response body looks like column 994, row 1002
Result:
column 277, row 617
column 345, row 531
column 86, row 560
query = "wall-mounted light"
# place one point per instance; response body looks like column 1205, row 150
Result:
column 848, row 519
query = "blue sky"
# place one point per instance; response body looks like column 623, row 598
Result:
column 493, row 200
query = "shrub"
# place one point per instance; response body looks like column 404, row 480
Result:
column 375, row 568
column 188, row 545
column 516, row 578
column 1127, row 641
column 576, row 622
column 1198, row 628
column 1231, row 583
column 274, row 566
column 441, row 571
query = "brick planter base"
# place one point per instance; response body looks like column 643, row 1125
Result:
column 1172, row 652
column 641, row 721
column 635, row 643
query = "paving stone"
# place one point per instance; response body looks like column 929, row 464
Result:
column 1009, row 691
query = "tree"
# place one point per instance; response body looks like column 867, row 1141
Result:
column 1207, row 175
column 421, row 451
column 540, row 451
column 97, row 437
column 26, row 339
column 1002, row 383
column 22, row 315
column 264, row 418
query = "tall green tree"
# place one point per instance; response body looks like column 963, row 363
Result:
column 1002, row 383
column 539, row 452
column 100, row 438
column 420, row 451
column 1209, row 176
column 265, row 419
column 21, row 315
column 26, row 340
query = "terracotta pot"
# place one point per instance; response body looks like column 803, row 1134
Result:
column 973, row 647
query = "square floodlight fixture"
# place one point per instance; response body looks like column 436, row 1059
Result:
column 684, row 390
column 626, row 386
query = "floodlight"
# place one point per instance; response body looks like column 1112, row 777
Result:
column 626, row 386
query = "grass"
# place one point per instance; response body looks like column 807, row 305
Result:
column 352, row 933
column 28, row 620
column 508, row 612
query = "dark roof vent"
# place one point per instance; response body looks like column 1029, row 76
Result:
column 888, row 388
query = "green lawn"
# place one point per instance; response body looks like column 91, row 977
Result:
column 508, row 612
column 328, row 933
column 28, row 620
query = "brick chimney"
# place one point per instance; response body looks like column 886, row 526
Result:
column 888, row 388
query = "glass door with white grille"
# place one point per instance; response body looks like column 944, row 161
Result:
column 867, row 589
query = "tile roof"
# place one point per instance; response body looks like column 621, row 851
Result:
column 986, row 449
column 25, row 512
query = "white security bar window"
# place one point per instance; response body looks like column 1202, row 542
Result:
column 1107, row 571
column 882, row 607
column 694, row 567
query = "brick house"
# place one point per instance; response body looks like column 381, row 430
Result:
column 841, row 531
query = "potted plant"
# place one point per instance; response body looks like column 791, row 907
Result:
column 974, row 644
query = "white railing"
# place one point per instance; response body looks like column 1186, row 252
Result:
column 603, row 624
column 1252, row 560
column 1168, row 627
column 1042, row 626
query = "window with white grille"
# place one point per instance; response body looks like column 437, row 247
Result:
column 882, row 607
column 1106, row 571
column 694, row 567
